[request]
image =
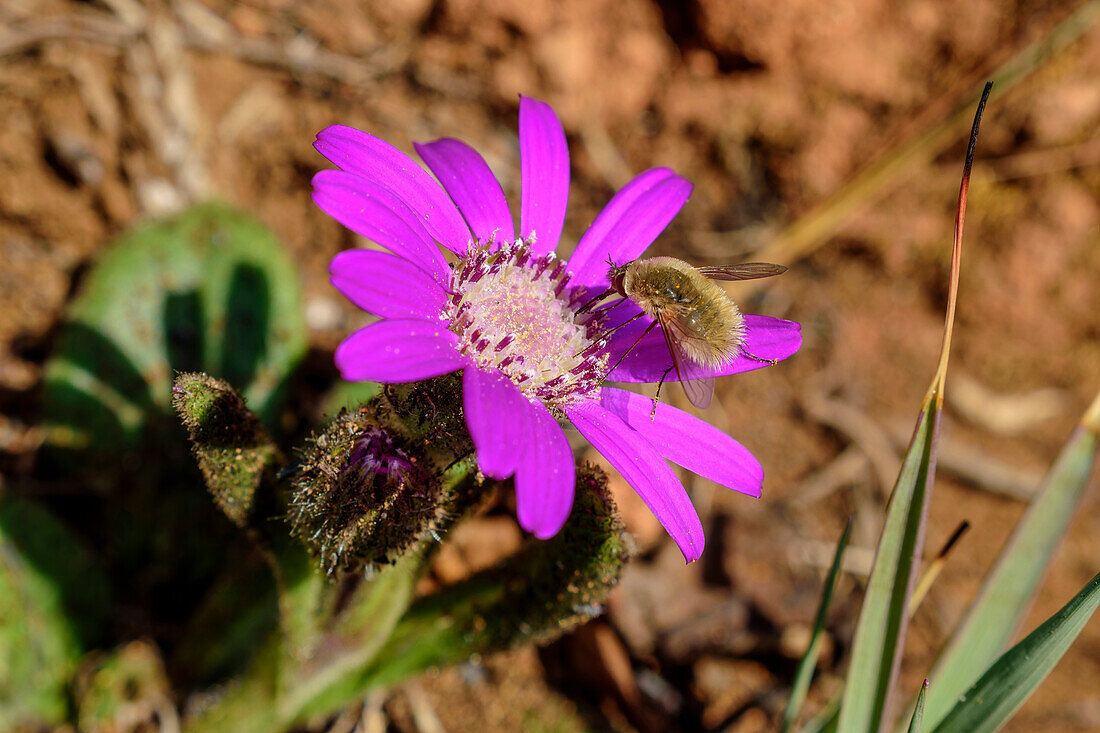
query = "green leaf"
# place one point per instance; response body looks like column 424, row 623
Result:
column 1008, row 590
column 1010, row 681
column 53, row 601
column 327, row 636
column 286, row 680
column 805, row 672
column 234, row 453
column 880, row 631
column 210, row 290
column 336, row 679
column 918, row 712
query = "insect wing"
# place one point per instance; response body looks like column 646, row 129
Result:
column 744, row 271
column 697, row 383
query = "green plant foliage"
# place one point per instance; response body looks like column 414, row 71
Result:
column 1010, row 681
column 1011, row 584
column 884, row 617
column 880, row 633
column 210, row 290
column 53, row 601
column 536, row 595
column 127, row 683
column 378, row 639
column 805, row 672
column 997, row 612
column 918, row 711
column 234, row 452
column 234, row 619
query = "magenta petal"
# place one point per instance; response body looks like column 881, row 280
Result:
column 544, row 174
column 473, row 187
column 386, row 285
column 766, row 338
column 545, row 477
column 377, row 214
column 383, row 164
column 644, row 469
column 498, row 417
column 628, row 224
column 397, row 351
column 688, row 441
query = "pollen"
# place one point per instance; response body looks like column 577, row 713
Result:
column 515, row 312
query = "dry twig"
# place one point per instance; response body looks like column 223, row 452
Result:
column 300, row 55
column 860, row 430
column 847, row 468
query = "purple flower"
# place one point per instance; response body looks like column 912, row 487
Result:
column 505, row 313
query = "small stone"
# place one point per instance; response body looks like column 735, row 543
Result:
column 158, row 197
column 476, row 544
column 73, row 157
column 724, row 686
column 323, row 314
column 1061, row 112
column 795, row 640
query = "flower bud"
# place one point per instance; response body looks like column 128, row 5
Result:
column 362, row 496
column 233, row 450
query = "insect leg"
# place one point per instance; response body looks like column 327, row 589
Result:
column 760, row 359
column 657, row 394
column 597, row 299
column 620, row 301
column 649, row 328
column 597, row 339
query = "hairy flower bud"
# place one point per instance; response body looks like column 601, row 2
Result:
column 233, row 450
column 362, row 496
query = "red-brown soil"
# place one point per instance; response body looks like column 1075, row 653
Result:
column 111, row 111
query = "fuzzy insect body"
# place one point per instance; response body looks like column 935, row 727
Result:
column 707, row 323
column 702, row 327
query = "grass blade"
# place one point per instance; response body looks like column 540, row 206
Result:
column 806, row 667
column 880, row 632
column 1007, row 592
column 918, row 713
column 1010, row 681
column 828, row 716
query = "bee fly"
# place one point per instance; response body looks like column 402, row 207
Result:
column 702, row 327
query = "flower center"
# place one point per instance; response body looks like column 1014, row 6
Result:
column 513, row 311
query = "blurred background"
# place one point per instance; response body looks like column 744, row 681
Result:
column 827, row 136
